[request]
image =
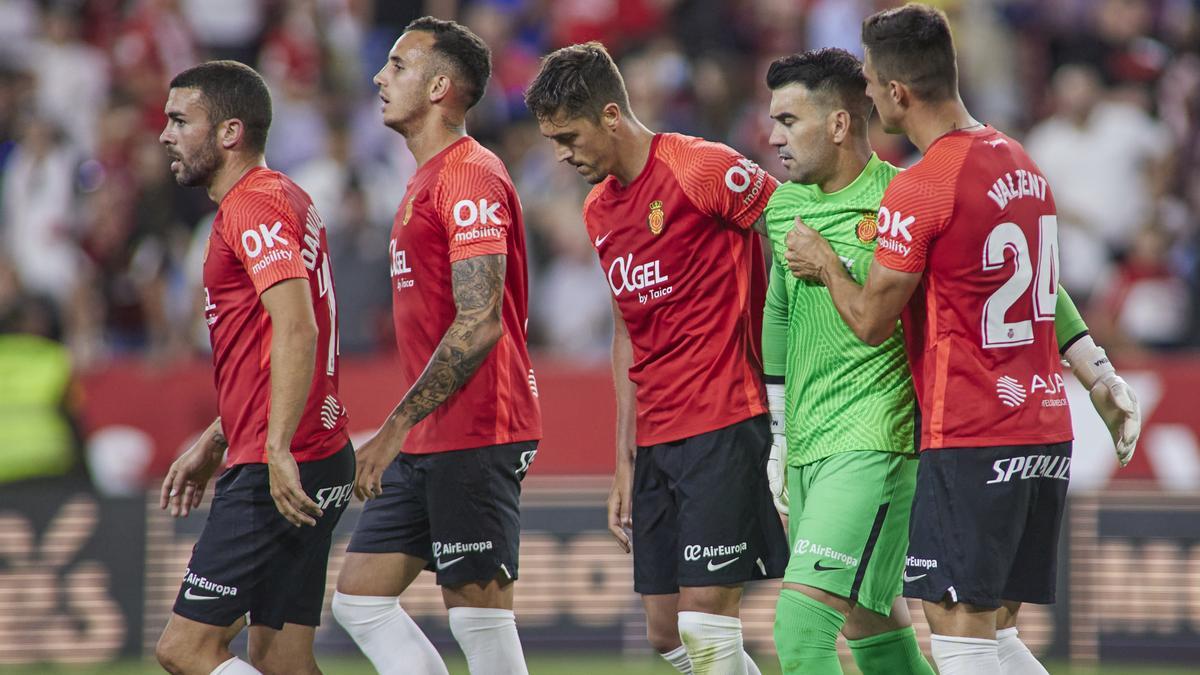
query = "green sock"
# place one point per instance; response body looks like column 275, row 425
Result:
column 895, row 651
column 806, row 634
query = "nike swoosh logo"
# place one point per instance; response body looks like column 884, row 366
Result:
column 727, row 563
column 908, row 579
column 821, row 568
column 601, row 240
column 189, row 595
column 443, row 565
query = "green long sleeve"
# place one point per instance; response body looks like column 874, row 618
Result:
column 1068, row 324
column 775, row 324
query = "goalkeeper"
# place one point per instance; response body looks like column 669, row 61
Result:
column 849, row 408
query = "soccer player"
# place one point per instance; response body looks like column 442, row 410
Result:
column 443, row 473
column 850, row 482
column 671, row 217
column 272, row 319
column 967, row 258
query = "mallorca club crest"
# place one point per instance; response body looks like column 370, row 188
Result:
column 656, row 217
column 407, row 211
column 868, row 228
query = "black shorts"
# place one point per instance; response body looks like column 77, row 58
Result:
column 985, row 524
column 249, row 558
column 459, row 511
column 702, row 511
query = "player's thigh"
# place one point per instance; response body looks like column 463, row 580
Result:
column 969, row 518
column 960, row 619
column 850, row 537
column 729, row 531
column 1033, row 575
column 284, row 651
column 1006, row 616
column 391, row 528
column 378, row 574
column 474, row 498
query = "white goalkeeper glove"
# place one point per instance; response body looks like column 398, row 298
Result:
column 1111, row 395
column 777, row 461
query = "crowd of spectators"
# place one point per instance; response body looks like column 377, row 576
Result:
column 1105, row 93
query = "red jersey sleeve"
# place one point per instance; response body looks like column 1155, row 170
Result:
column 473, row 202
column 719, row 180
column 916, row 208
column 265, row 234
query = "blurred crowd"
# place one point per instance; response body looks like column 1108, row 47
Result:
column 100, row 248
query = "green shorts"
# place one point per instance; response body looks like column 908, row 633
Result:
column 848, row 525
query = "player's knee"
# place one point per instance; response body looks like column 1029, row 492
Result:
column 663, row 638
column 168, row 654
column 176, row 650
column 270, row 661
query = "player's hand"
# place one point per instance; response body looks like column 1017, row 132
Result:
column 620, row 508
column 185, row 482
column 776, row 477
column 372, row 459
column 807, row 252
column 1118, row 407
column 290, row 499
column 777, row 459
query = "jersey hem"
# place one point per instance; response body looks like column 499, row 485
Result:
column 703, row 428
column 336, row 443
column 810, row 459
column 473, row 443
column 970, row 442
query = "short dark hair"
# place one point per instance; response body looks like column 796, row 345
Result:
column 831, row 73
column 232, row 90
column 465, row 51
column 578, row 81
column 912, row 44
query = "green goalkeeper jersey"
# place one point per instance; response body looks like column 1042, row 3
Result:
column 841, row 394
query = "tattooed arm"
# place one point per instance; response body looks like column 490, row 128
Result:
column 479, row 297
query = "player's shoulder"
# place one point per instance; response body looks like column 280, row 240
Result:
column 683, row 151
column 471, row 165
column 262, row 194
column 591, row 202
column 790, row 196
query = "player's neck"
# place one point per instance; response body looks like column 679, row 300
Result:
column 931, row 121
column 851, row 162
column 633, row 151
column 435, row 134
column 231, row 173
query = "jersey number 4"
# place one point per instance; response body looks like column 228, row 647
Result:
column 1005, row 237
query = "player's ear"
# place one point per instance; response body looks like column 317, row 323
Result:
column 838, row 125
column 439, row 88
column 899, row 93
column 230, row 133
column 610, row 116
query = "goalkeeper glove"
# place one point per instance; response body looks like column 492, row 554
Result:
column 776, row 462
column 1111, row 395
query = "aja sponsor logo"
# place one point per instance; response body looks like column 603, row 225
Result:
column 1013, row 393
column 893, row 231
column 626, row 277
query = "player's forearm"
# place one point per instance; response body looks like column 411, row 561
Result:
column 775, row 325
column 851, row 302
column 463, row 348
column 626, row 391
column 293, row 361
column 213, row 439
column 1068, row 323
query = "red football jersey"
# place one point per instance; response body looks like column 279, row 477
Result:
column 977, row 218
column 688, row 276
column 267, row 230
column 458, row 205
